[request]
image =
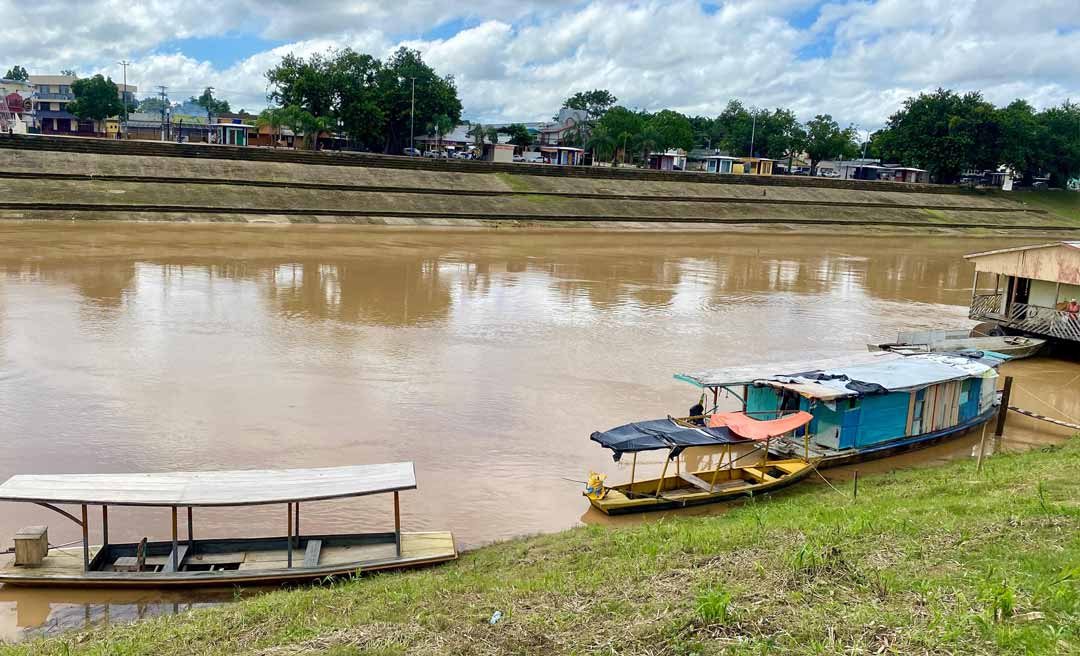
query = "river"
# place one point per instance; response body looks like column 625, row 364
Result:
column 487, row 357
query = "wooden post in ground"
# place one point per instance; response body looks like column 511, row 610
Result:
column 1006, row 392
column 982, row 445
column 855, row 488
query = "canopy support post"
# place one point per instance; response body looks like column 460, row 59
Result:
column 59, row 510
column 719, row 464
column 190, row 530
column 175, row 550
column 104, row 527
column 297, row 528
column 660, row 487
column 85, row 541
column 288, row 539
column 765, row 453
column 633, row 470
column 397, row 524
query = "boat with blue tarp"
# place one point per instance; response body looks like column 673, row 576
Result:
column 864, row 406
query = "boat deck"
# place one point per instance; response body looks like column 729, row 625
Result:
column 230, row 562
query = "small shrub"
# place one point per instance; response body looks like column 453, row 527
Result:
column 714, row 606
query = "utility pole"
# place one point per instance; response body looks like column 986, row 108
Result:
column 163, row 101
column 753, row 133
column 123, row 98
column 412, row 119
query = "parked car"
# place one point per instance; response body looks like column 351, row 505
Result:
column 412, row 152
column 519, row 158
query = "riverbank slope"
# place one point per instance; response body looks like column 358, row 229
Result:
column 930, row 560
column 77, row 179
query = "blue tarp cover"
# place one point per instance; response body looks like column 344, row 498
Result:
column 660, row 434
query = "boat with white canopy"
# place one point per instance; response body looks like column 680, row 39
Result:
column 207, row 562
column 867, row 405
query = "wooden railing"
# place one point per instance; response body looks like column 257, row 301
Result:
column 1028, row 318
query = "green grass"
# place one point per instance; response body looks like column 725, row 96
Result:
column 1065, row 204
column 926, row 561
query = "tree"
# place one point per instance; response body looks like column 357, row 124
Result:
column 479, row 135
column 439, row 126
column 944, row 133
column 672, row 130
column 602, row 144
column 434, row 95
column 825, row 140
column 211, row 104
column 1021, row 140
column 17, row 73
column 594, row 103
column 493, row 135
column 273, row 118
column 519, row 135
column 355, row 81
column 1060, row 142
column 96, row 98
column 151, row 105
column 623, row 125
column 304, row 122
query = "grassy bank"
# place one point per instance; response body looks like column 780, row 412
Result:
column 1065, row 204
column 928, row 561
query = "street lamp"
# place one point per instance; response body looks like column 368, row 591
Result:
column 412, row 119
column 123, row 97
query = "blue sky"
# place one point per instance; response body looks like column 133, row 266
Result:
column 518, row 59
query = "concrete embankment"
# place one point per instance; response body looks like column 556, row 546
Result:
column 65, row 179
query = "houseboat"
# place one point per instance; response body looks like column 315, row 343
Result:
column 1014, row 347
column 864, row 406
column 1029, row 290
column 195, row 562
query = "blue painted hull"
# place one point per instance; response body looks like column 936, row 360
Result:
column 904, row 444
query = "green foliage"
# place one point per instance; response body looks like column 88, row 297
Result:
column 211, row 104
column 519, row 134
column 594, row 103
column 17, row 73
column 713, row 606
column 671, row 130
column 96, row 98
column 372, row 98
column 479, row 134
column 151, row 105
column 825, row 140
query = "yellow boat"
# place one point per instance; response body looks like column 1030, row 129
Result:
column 743, row 468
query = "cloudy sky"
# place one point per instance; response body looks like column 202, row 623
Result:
column 517, row 59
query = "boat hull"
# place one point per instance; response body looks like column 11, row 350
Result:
column 895, row 447
column 617, row 503
column 258, row 561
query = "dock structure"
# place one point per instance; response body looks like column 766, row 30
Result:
column 1032, row 290
column 231, row 561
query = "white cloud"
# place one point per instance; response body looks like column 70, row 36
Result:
column 517, row 60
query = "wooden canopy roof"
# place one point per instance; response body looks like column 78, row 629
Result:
column 211, row 488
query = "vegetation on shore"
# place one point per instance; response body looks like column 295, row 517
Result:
column 927, row 561
column 1065, row 204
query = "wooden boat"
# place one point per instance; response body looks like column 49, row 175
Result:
column 944, row 341
column 210, row 562
column 734, row 475
column 865, row 406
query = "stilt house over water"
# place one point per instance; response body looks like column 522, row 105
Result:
column 1028, row 289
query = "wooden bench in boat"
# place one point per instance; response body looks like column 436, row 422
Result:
column 760, row 475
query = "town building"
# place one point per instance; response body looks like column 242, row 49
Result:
column 1031, row 291
column 499, row 152
column 565, row 124
column 51, row 96
column 562, row 155
column 754, row 166
column 669, row 160
column 720, row 163
column 233, row 132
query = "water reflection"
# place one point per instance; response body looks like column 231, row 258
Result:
column 486, row 357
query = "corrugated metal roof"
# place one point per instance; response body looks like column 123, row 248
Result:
column 1032, row 247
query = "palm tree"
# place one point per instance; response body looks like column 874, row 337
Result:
column 271, row 117
column 601, row 143
column 440, row 124
column 479, row 135
column 648, row 140
column 576, row 134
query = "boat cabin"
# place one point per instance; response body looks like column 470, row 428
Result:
column 1028, row 289
column 205, row 562
column 864, row 403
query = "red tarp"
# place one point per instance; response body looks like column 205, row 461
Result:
column 754, row 429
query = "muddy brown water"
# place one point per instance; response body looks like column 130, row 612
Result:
column 486, row 357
